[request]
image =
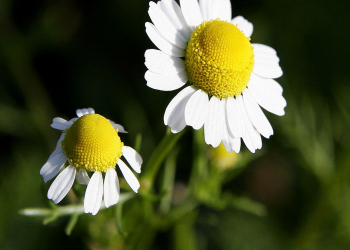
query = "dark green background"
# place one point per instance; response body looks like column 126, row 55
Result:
column 57, row 56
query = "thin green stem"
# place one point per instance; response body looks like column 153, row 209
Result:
column 168, row 181
column 58, row 211
column 159, row 154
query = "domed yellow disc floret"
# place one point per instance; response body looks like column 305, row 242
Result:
column 219, row 59
column 92, row 143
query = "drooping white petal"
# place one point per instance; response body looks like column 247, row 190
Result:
column 161, row 63
column 60, row 123
column 206, row 7
column 268, row 94
column 230, row 142
column 81, row 112
column 196, row 110
column 164, row 26
column 60, row 140
column 133, row 158
column 174, row 116
column 53, row 164
column 111, row 188
column 93, row 194
column 163, row 44
column 252, row 138
column 129, row 176
column 82, row 177
column 214, row 124
column 256, row 115
column 192, row 14
column 235, row 144
column 244, row 25
column 234, row 118
column 118, row 126
column 266, row 61
column 173, row 11
column 165, row 82
column 222, row 9
column 61, row 185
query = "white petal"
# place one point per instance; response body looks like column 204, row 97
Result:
column 206, row 7
column 256, row 115
column 91, row 110
column 111, row 188
column 53, row 164
column 60, row 140
column 174, row 116
column 60, row 123
column 252, row 138
column 118, row 126
column 82, row 177
column 268, row 70
column 161, row 63
column 266, row 83
column 235, row 144
column 263, row 49
column 81, row 112
column 234, row 118
column 244, row 25
column 214, row 124
column 165, row 27
column 268, row 94
column 61, row 185
column 222, row 9
column 173, row 11
column 196, row 110
column 133, row 158
column 93, row 194
column 163, row 44
column 129, row 176
column 230, row 142
column 165, row 82
column 192, row 14
column 263, row 58
column 266, row 61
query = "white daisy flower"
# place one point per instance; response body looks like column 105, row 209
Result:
column 229, row 78
column 90, row 142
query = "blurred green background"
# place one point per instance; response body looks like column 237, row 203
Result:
column 58, row 56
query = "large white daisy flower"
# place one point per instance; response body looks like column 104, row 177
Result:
column 90, row 142
column 230, row 78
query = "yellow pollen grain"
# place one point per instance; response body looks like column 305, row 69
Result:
column 219, row 59
column 91, row 143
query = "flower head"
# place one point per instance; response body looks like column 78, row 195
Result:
column 229, row 77
column 90, row 143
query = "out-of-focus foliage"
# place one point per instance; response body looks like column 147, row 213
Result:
column 57, row 56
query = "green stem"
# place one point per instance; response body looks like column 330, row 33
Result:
column 168, row 181
column 58, row 211
column 200, row 170
column 184, row 232
column 159, row 154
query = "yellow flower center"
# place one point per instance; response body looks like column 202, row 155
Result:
column 219, row 59
column 92, row 143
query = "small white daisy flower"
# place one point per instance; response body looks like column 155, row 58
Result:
column 230, row 78
column 90, row 142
